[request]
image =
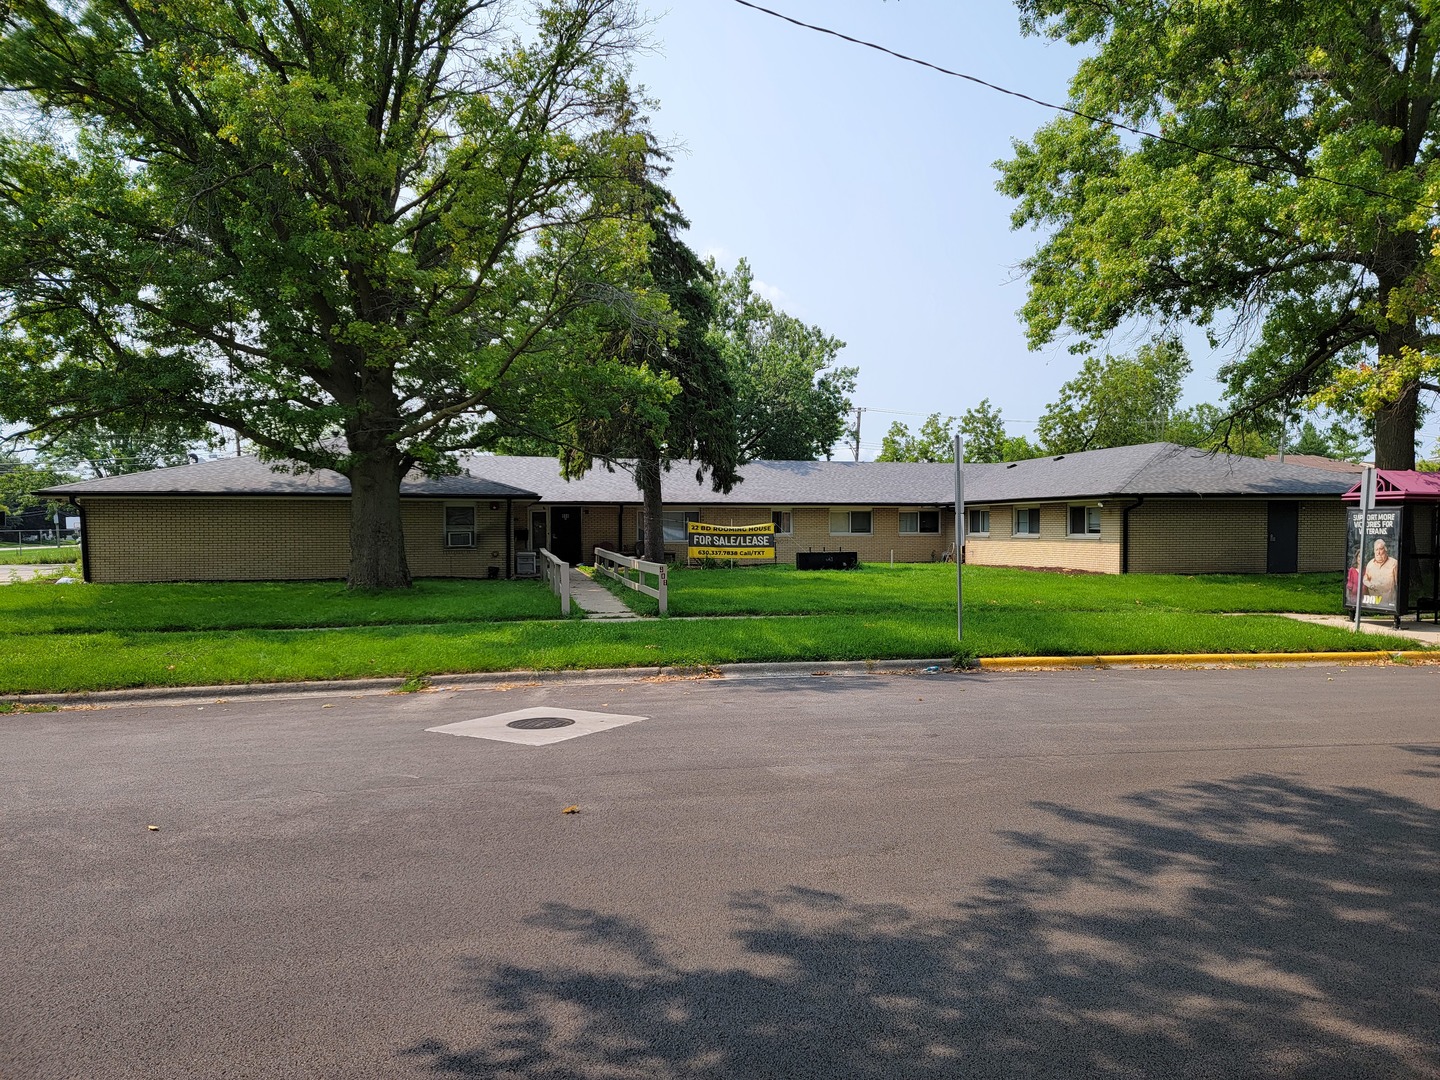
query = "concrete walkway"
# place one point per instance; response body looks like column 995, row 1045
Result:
column 595, row 600
column 26, row 571
column 1425, row 631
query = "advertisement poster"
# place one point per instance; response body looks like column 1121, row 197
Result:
column 1373, row 571
column 730, row 541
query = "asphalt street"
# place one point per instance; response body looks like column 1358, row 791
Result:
column 1145, row 873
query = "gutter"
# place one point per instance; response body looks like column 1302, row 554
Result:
column 509, row 536
column 84, row 545
column 1125, row 535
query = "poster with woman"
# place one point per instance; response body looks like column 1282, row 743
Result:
column 1373, row 568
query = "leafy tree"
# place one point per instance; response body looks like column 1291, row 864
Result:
column 934, row 441
column 1209, row 427
column 1288, row 195
column 1019, row 448
column 984, row 432
column 792, row 403
column 696, row 421
column 19, row 480
column 108, row 451
column 1116, row 400
column 355, row 236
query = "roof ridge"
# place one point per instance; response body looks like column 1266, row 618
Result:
column 1160, row 448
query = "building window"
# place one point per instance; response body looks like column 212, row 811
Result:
column 919, row 521
column 979, row 523
column 1027, row 521
column 673, row 524
column 1084, row 521
column 460, row 526
column 850, row 523
column 784, row 524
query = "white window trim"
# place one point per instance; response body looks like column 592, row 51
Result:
column 847, row 511
column 979, row 510
column 1014, row 522
column 1087, row 534
column 450, row 532
column 790, row 513
column 939, row 529
column 691, row 513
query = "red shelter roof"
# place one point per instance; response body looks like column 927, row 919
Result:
column 1401, row 485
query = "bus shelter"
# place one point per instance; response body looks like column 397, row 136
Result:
column 1397, row 569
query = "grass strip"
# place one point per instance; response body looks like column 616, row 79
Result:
column 28, row 556
column 929, row 587
column 44, row 608
column 38, row 663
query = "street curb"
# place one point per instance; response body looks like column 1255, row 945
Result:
column 788, row 670
column 477, row 681
column 1001, row 663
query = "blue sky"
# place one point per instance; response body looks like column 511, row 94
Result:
column 862, row 189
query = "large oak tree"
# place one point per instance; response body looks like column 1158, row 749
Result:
column 354, row 231
column 1286, row 207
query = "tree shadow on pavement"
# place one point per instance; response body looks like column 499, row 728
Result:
column 1249, row 927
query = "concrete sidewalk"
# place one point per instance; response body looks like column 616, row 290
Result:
column 26, row 571
column 595, row 600
column 1425, row 631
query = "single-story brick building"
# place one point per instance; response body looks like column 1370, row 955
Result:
column 1152, row 508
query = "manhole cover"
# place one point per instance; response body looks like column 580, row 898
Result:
column 537, row 723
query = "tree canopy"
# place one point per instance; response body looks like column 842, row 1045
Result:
column 933, row 441
column 19, row 480
column 1285, row 202
column 1116, row 400
column 792, row 402
column 355, row 235
column 696, row 421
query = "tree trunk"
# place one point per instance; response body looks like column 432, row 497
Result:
column 647, row 478
column 1395, row 431
column 377, row 536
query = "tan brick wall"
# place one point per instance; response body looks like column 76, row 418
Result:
column 267, row 539
column 810, row 524
column 424, row 522
column 1322, row 536
column 1053, row 548
column 1206, row 536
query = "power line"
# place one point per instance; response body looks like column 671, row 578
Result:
column 1105, row 121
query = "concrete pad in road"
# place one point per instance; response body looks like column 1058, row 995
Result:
column 536, row 727
column 1090, row 873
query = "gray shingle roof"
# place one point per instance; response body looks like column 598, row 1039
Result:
column 1149, row 469
column 250, row 476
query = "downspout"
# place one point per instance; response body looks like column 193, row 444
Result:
column 620, row 528
column 1125, row 535
column 84, row 545
column 509, row 537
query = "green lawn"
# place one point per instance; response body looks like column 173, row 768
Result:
column 931, row 587
column 80, row 637
column 10, row 555
column 266, row 605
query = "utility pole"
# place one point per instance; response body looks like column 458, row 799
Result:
column 859, row 412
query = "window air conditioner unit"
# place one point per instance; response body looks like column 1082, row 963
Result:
column 525, row 564
column 460, row 538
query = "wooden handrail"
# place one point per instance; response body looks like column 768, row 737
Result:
column 619, row 567
column 556, row 572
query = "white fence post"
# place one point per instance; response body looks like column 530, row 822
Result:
column 619, row 567
column 557, row 576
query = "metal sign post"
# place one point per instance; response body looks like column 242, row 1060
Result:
column 1367, row 503
column 959, row 534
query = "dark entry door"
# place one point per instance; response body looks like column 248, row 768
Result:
column 1282, row 554
column 565, row 533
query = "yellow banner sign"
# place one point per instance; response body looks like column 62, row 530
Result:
column 730, row 541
